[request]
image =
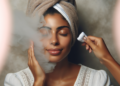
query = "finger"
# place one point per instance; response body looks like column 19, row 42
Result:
column 93, row 38
column 83, row 44
column 90, row 50
column 96, row 40
column 89, row 42
column 87, row 47
column 29, row 57
column 32, row 51
column 31, row 60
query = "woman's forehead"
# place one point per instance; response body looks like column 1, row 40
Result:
column 55, row 20
column 58, row 28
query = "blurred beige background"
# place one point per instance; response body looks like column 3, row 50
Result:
column 95, row 19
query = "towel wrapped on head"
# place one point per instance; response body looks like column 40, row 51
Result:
column 65, row 7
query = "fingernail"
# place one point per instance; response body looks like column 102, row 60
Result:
column 86, row 48
column 85, row 38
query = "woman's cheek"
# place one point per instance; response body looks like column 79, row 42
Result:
column 44, row 42
column 66, row 42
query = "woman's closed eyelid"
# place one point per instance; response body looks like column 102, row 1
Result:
column 64, row 34
column 61, row 30
column 64, row 31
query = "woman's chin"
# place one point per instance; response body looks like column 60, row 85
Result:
column 55, row 59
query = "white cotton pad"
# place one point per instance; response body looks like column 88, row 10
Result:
column 81, row 37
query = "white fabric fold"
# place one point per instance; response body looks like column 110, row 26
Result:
column 61, row 10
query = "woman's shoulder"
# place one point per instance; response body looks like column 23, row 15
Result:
column 92, row 77
column 21, row 78
column 12, row 80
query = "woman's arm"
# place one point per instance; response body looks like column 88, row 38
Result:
column 36, row 69
column 100, row 50
column 113, row 67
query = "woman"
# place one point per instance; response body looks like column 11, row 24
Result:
column 61, row 19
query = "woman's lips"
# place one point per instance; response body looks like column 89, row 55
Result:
column 54, row 51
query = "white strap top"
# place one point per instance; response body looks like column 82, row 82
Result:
column 91, row 77
column 86, row 77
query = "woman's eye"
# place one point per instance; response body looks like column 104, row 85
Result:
column 64, row 34
column 44, row 32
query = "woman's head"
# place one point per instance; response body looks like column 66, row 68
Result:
column 59, row 44
column 62, row 23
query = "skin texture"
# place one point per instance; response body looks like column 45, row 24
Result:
column 100, row 50
column 63, row 74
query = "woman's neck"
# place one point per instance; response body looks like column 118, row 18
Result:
column 61, row 69
column 64, row 64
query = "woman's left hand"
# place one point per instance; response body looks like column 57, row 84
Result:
column 37, row 71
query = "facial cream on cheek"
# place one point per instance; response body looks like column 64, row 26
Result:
column 81, row 37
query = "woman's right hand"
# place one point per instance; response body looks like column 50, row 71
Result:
column 100, row 50
column 98, row 46
column 37, row 71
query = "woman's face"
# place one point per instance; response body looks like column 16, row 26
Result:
column 58, row 45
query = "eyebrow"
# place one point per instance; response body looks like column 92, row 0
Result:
column 45, row 27
column 57, row 28
column 63, row 27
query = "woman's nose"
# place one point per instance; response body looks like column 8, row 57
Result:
column 54, row 39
